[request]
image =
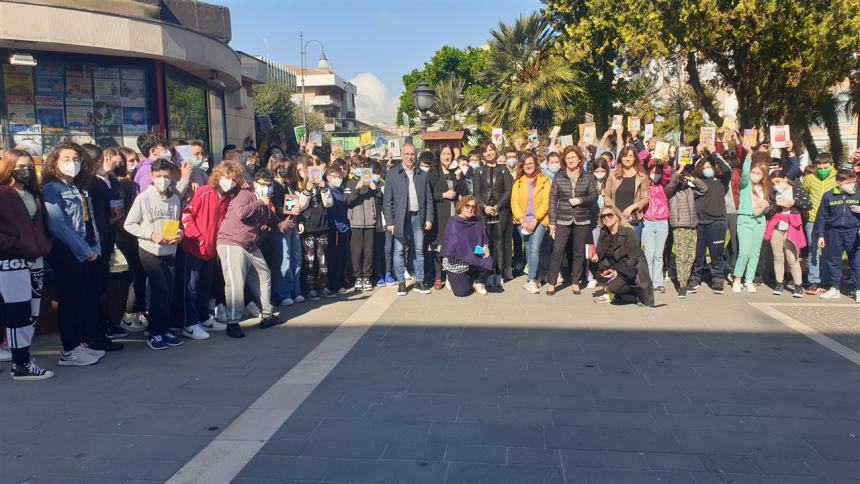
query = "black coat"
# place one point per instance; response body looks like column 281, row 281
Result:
column 498, row 193
column 396, row 198
column 623, row 253
column 443, row 208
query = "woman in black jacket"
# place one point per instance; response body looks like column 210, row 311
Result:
column 621, row 264
column 448, row 185
column 572, row 200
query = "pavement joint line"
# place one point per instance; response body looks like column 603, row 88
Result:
column 811, row 333
column 225, row 457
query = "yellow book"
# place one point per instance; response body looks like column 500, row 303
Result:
column 170, row 229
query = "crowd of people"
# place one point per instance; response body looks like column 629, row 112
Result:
column 208, row 244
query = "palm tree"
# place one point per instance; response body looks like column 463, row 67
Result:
column 531, row 86
column 454, row 103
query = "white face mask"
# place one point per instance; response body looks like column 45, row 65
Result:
column 161, row 183
column 70, row 168
column 166, row 154
column 511, row 162
column 464, row 169
column 755, row 177
column 425, row 169
column 554, row 167
column 600, row 175
column 335, row 182
column 475, row 165
column 226, row 184
column 655, row 177
column 780, row 187
column 453, row 165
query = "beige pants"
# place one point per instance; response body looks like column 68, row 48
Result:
column 784, row 252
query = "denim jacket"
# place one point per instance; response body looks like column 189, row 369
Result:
column 64, row 215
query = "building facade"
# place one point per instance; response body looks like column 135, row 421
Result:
column 330, row 95
column 126, row 67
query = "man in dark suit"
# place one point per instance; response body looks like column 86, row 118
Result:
column 408, row 209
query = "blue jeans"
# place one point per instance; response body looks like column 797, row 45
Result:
column 532, row 243
column 813, row 260
column 287, row 280
column 654, row 235
column 413, row 235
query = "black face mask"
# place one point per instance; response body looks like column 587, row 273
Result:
column 283, row 173
column 120, row 171
column 22, row 175
column 251, row 169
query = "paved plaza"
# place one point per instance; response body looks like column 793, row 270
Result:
column 508, row 388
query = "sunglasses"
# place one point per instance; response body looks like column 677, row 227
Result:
column 607, row 215
column 472, row 206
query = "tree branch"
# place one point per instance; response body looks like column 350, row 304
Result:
column 696, row 83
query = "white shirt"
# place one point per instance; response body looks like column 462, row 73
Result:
column 413, row 194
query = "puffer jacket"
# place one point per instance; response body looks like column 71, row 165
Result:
column 361, row 204
column 562, row 190
column 682, row 201
column 520, row 199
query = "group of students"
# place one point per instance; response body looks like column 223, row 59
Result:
column 207, row 245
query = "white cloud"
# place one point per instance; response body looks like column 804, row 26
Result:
column 372, row 103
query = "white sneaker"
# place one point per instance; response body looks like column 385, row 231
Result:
column 286, row 302
column 195, row 332
column 448, row 286
column 480, row 289
column 252, row 310
column 831, row 293
column 77, row 357
column 749, row 286
column 212, row 325
column 132, row 323
column 97, row 353
column 299, row 299
column 592, row 284
column 737, row 286
column 857, row 296
column 220, row 313
column 407, row 276
column 531, row 287
column 5, row 353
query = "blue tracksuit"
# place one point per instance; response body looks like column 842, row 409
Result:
column 840, row 228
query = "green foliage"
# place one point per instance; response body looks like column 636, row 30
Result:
column 448, row 61
column 186, row 110
column 275, row 100
column 532, row 88
column 454, row 103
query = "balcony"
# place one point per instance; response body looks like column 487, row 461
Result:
column 325, row 100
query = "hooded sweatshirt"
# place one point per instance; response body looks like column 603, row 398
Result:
column 201, row 221
column 241, row 226
column 147, row 215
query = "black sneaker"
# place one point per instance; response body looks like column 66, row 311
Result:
column 693, row 286
column 718, row 286
column 758, row 281
column 422, row 288
column 105, row 345
column 30, row 372
column 798, row 291
column 682, row 293
column 401, row 289
column 235, row 331
column 660, row 289
column 777, row 289
column 115, row 332
column 270, row 321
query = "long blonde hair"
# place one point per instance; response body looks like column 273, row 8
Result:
column 622, row 222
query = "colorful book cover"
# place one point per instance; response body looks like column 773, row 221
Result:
column 315, row 172
column 566, row 140
column 750, row 137
column 365, row 139
column 633, row 123
column 170, row 229
column 497, row 137
column 649, row 131
column 299, row 132
column 730, row 124
column 618, row 122
column 588, row 133
column 779, row 136
column 291, row 201
column 661, row 151
column 708, row 135
column 685, row 155
column 532, row 135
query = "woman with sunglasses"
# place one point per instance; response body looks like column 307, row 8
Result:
column 465, row 253
column 621, row 264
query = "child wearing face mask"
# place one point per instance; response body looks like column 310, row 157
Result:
column 339, row 231
column 788, row 201
column 755, row 190
column 154, row 220
column 837, row 229
column 314, row 201
column 363, row 197
column 655, row 228
column 153, row 146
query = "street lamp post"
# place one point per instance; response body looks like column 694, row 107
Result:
column 323, row 63
column 423, row 97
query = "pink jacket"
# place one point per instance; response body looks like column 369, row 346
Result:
column 658, row 204
column 795, row 231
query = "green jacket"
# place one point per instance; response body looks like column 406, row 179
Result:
column 816, row 188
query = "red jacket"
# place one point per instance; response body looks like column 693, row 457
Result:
column 20, row 236
column 201, row 221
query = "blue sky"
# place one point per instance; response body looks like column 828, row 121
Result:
column 372, row 42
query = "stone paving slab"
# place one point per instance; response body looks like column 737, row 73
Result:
column 527, row 388
column 840, row 323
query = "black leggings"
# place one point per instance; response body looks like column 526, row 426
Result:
column 361, row 248
column 461, row 284
column 495, row 232
column 77, row 315
column 580, row 235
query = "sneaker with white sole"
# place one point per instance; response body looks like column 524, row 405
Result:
column 195, row 332
column 287, row 302
column 299, row 299
column 252, row 310
column 171, row 339
column 77, row 357
column 737, row 286
column 531, row 287
column 220, row 313
column 479, row 288
column 857, row 296
column 749, row 286
column 328, row 294
column 132, row 323
column 212, row 325
column 407, row 275
column 156, row 342
column 366, row 285
column 313, row 295
column 97, row 353
column 592, row 284
column 832, row 293
column 5, row 353
column 30, row 372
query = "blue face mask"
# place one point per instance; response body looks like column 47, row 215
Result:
column 197, row 162
column 708, row 173
column 375, row 178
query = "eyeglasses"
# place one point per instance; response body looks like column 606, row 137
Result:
column 607, row 215
column 472, row 206
column 66, row 160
